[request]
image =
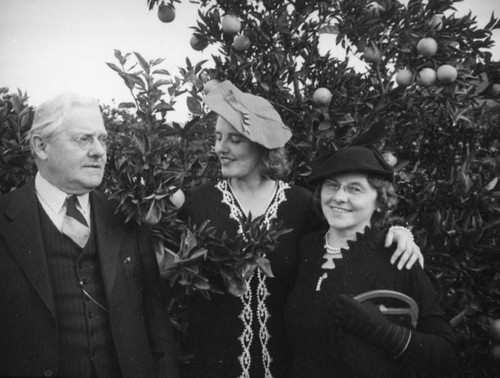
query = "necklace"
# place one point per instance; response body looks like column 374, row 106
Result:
column 331, row 250
column 331, row 253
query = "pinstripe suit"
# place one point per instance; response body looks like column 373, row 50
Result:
column 28, row 323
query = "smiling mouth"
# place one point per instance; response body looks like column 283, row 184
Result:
column 339, row 210
column 226, row 160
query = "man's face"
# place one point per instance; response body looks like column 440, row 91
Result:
column 73, row 158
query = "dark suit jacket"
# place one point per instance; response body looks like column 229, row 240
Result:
column 28, row 323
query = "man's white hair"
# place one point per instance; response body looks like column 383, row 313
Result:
column 50, row 116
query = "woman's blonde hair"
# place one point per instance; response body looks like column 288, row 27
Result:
column 275, row 163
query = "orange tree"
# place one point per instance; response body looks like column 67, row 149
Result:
column 150, row 163
column 442, row 129
column 16, row 116
column 428, row 92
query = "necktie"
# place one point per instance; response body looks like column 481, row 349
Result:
column 74, row 225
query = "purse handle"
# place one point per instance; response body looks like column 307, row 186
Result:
column 412, row 310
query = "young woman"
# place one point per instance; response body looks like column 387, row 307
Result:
column 334, row 335
column 245, row 336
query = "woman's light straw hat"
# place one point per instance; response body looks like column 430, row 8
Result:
column 252, row 116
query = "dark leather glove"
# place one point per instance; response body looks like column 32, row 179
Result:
column 366, row 321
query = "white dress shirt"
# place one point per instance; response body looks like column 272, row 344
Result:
column 53, row 201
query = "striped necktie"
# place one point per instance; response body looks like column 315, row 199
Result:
column 74, row 224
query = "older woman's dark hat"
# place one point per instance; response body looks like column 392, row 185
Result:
column 252, row 116
column 353, row 159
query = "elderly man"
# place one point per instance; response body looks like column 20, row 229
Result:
column 79, row 289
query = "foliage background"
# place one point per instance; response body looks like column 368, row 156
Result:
column 446, row 137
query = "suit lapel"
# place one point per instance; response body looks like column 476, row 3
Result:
column 109, row 232
column 24, row 240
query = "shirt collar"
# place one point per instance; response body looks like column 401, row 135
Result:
column 55, row 197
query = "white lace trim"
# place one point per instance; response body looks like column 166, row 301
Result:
column 246, row 314
column 246, row 337
column 263, row 316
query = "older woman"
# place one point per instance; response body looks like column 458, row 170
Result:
column 334, row 335
column 244, row 336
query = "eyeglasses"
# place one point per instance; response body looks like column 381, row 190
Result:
column 85, row 142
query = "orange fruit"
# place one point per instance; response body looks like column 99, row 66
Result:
column 241, row 43
column 435, row 22
column 230, row 24
column 177, row 198
column 196, row 43
column 322, row 96
column 447, row 74
column 372, row 54
column 166, row 13
column 495, row 90
column 426, row 77
column 404, row 77
column 373, row 9
column 427, row 47
column 390, row 159
column 204, row 77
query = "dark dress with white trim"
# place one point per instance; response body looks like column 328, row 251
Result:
column 321, row 349
column 245, row 337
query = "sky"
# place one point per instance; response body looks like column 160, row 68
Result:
column 51, row 46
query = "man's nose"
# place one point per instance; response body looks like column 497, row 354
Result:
column 98, row 148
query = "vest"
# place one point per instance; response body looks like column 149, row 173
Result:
column 86, row 345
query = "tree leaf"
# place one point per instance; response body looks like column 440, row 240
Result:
column 265, row 265
column 119, row 57
column 491, row 185
column 135, row 79
column 194, row 105
column 114, row 67
column 161, row 72
column 144, row 64
column 153, row 215
column 328, row 29
column 188, row 241
column 126, row 105
column 324, row 125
